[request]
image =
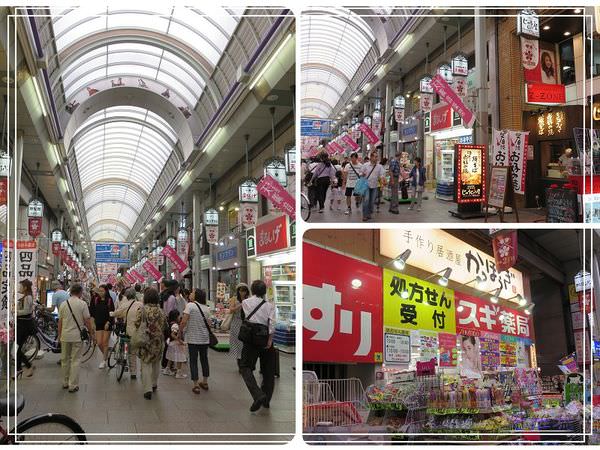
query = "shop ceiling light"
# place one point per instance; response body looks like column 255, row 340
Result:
column 522, row 300
column 38, row 93
column 496, row 296
column 567, row 33
column 400, row 261
column 356, row 283
column 443, row 280
column 546, row 27
column 271, row 59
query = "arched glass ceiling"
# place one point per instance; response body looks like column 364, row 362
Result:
column 120, row 153
column 334, row 44
column 206, row 29
column 136, row 60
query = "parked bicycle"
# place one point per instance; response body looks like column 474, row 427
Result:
column 304, row 207
column 43, row 427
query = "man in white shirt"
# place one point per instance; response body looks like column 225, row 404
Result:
column 374, row 172
column 265, row 315
column 351, row 174
column 73, row 316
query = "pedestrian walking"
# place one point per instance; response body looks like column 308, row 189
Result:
column 417, row 182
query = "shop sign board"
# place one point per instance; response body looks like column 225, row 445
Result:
column 528, row 23
column 315, row 127
column 370, row 134
column 583, row 281
column 410, row 131
column 441, row 117
column 471, row 168
column 178, row 263
column 112, row 253
column 586, row 300
column 21, row 261
column 228, row 258
column 447, row 95
column 275, row 168
column 35, row 208
column 562, row 205
column 347, row 139
column 518, row 159
column 448, row 350
column 498, row 184
column 545, row 94
column 433, row 250
column 270, row 188
column 272, row 236
column 413, row 304
column 248, row 192
column 396, row 347
column 211, row 217
column 250, row 243
column 460, row 65
column 342, row 308
column 500, row 147
column 249, row 214
column 478, row 316
column 152, row 270
column 293, row 234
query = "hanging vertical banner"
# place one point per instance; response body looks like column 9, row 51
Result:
column 249, row 214
column 505, row 246
column 500, row 147
column 138, row 276
column 447, row 95
column 336, row 147
column 370, row 134
column 26, row 255
column 355, row 131
column 350, row 142
column 34, row 226
column 172, row 255
column 183, row 245
column 518, row 158
column 330, row 150
column 530, row 51
column 5, row 161
column 212, row 234
column 130, row 278
column 270, row 188
column 460, row 86
column 377, row 122
column 426, row 102
column 152, row 270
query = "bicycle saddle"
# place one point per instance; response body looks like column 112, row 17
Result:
column 11, row 406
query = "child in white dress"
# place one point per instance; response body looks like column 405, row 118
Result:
column 176, row 351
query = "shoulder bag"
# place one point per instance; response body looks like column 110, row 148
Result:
column 226, row 324
column 212, row 339
column 251, row 333
column 140, row 334
column 83, row 332
column 362, row 184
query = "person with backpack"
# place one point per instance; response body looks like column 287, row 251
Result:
column 351, row 174
column 323, row 176
column 100, row 308
column 127, row 311
column 256, row 332
column 73, row 316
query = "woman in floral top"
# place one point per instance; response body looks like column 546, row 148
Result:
column 151, row 351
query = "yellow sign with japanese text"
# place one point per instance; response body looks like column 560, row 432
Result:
column 413, row 304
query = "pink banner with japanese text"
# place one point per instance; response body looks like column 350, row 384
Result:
column 152, row 270
column 350, row 142
column 448, row 95
column 130, row 278
column 270, row 188
column 370, row 134
column 180, row 265
column 138, row 276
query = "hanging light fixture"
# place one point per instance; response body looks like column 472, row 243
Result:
column 444, row 69
column 400, row 261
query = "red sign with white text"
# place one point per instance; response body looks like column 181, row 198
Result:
column 478, row 316
column 370, row 134
column 545, row 94
column 441, row 117
column 34, row 226
column 350, row 142
column 271, row 189
column 3, row 190
column 138, row 276
column 505, row 250
column 586, row 302
column 130, row 277
column 452, row 99
column 272, row 236
column 152, row 270
column 179, row 263
column 56, row 248
column 342, row 307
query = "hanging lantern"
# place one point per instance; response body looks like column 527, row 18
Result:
column 460, row 65
column 290, row 159
column 367, row 120
column 247, row 191
column 172, row 242
column 445, row 71
column 426, row 102
column 425, row 85
column 528, row 23
column 399, row 104
column 56, row 236
column 275, row 167
column 211, row 217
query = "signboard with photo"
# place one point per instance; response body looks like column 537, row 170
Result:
column 470, row 169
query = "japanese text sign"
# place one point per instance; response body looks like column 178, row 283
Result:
column 347, row 139
column 427, row 306
column 342, row 308
column 441, row 117
column 450, row 97
column 152, row 270
column 370, row 134
column 433, row 250
column 505, row 246
column 179, row 263
column 272, row 236
column 448, row 350
column 20, row 263
column 545, row 94
column 270, row 188
column 518, row 159
column 479, row 316
column 471, row 179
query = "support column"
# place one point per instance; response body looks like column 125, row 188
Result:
column 12, row 217
column 387, row 107
column 60, row 224
column 481, row 130
column 196, row 235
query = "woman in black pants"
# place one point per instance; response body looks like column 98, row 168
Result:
column 194, row 323
column 323, row 176
column 25, row 326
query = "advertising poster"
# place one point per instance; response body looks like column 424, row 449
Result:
column 490, row 351
column 471, row 173
column 112, row 253
column 342, row 308
column 508, row 352
column 498, row 184
column 470, row 357
column 523, row 360
column 413, row 304
column 396, row 346
column 542, row 69
column 428, row 344
column 448, row 350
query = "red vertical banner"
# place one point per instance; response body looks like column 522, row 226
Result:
column 34, row 226
column 350, row 142
column 3, row 190
column 179, row 263
column 370, row 134
column 505, row 246
column 152, row 270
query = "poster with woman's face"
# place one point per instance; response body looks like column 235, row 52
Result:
column 546, row 70
column 470, row 357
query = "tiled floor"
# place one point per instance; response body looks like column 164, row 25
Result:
column 105, row 406
column 433, row 211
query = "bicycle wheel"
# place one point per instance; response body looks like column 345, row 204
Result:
column 304, row 207
column 121, row 362
column 31, row 347
column 49, row 427
column 90, row 348
column 112, row 357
